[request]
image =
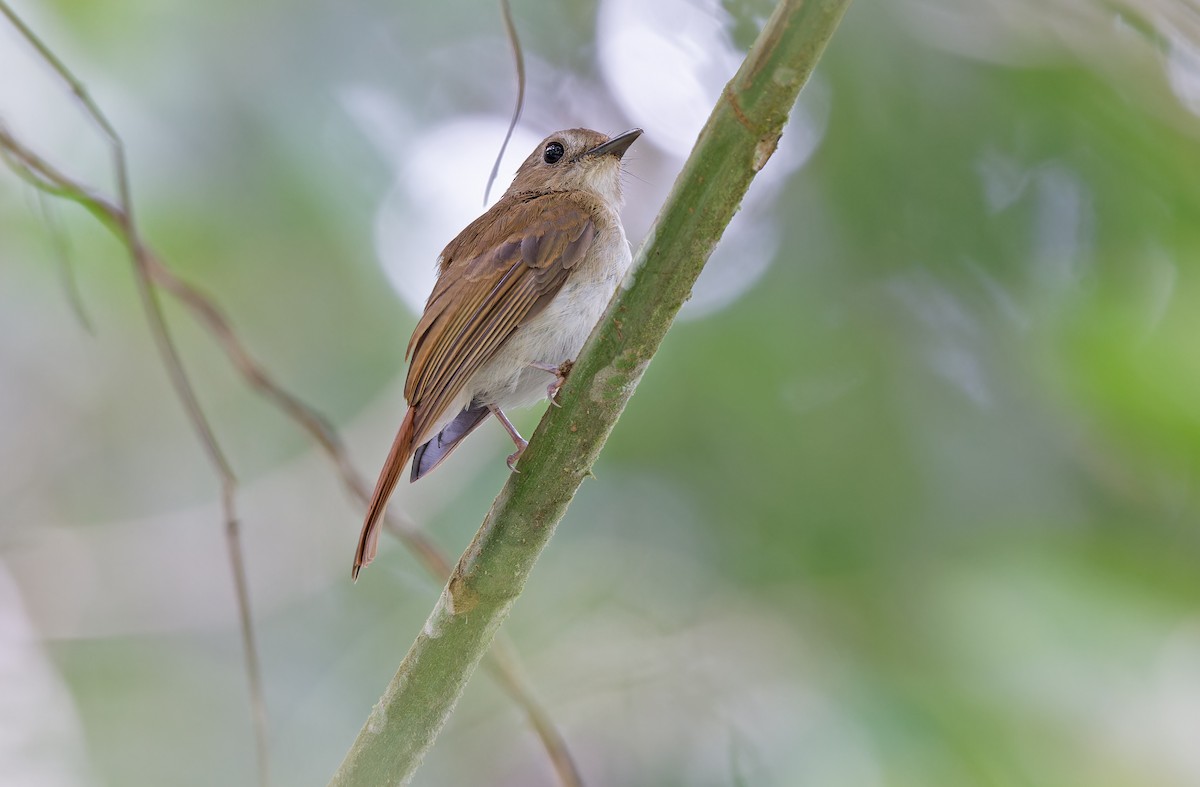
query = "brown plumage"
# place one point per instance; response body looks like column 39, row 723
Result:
column 495, row 320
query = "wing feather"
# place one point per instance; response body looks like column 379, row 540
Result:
column 489, row 287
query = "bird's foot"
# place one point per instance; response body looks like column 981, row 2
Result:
column 520, row 442
column 560, row 373
column 515, row 456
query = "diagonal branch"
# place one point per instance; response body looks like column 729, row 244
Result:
column 739, row 138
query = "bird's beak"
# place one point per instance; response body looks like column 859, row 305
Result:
column 617, row 145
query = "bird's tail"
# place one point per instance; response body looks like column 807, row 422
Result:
column 402, row 449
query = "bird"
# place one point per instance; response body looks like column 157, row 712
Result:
column 517, row 293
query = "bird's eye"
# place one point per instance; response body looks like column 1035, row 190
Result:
column 554, row 151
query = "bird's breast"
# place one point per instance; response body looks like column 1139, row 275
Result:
column 558, row 332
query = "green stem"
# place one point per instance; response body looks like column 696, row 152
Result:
column 741, row 134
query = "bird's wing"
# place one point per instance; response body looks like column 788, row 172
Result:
column 492, row 281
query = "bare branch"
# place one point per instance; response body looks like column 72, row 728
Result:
column 168, row 351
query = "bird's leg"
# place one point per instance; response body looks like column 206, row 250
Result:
column 520, row 442
column 560, row 373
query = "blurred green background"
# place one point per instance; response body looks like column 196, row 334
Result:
column 907, row 497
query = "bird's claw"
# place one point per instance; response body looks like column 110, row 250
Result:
column 560, row 377
column 515, row 457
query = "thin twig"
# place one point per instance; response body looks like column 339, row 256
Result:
column 187, row 395
column 519, row 56
column 62, row 254
column 169, row 353
column 258, row 705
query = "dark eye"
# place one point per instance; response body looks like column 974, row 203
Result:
column 554, row 151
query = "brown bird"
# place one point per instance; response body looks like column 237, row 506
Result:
column 518, row 292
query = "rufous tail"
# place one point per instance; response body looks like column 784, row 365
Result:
column 402, row 449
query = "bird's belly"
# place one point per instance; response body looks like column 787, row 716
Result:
column 554, row 336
